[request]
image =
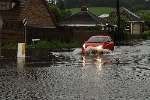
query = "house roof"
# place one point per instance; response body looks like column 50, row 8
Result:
column 129, row 15
column 103, row 16
column 132, row 16
column 82, row 18
column 36, row 13
column 124, row 13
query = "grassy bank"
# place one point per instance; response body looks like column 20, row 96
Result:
column 55, row 44
column 9, row 45
column 145, row 14
column 146, row 35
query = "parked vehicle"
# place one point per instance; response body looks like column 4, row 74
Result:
column 98, row 43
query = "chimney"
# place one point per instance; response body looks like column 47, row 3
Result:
column 83, row 4
column 84, row 8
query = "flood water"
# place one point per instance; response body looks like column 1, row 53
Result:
column 123, row 74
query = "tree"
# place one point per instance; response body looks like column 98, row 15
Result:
column 72, row 3
column 52, row 1
column 130, row 4
column 60, row 4
column 59, row 13
column 56, row 11
column 1, row 25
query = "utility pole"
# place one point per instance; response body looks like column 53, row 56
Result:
column 25, row 29
column 118, row 36
column 1, row 24
column 21, row 53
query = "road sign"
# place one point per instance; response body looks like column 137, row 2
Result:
column 24, row 21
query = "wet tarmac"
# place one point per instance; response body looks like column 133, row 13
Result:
column 121, row 75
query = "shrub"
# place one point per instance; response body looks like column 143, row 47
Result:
column 146, row 34
column 55, row 44
column 9, row 45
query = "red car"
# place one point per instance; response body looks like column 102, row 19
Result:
column 98, row 42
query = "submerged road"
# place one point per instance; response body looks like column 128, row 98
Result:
column 121, row 75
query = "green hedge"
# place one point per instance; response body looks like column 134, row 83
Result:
column 55, row 44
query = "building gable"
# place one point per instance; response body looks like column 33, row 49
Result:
column 35, row 11
column 127, row 14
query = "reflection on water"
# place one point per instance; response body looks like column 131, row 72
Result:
column 123, row 74
column 99, row 64
column 20, row 64
column 98, row 60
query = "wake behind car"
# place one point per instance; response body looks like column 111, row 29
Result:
column 98, row 43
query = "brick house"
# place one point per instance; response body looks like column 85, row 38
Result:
column 135, row 24
column 82, row 24
column 15, row 13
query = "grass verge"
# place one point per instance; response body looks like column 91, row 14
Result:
column 55, row 44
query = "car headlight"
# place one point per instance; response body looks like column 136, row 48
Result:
column 84, row 46
column 99, row 47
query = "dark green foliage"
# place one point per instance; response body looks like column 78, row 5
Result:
column 56, row 11
column 132, row 4
column 60, row 4
column 96, row 10
column 59, row 11
column 65, row 13
column 145, row 14
column 55, row 44
column 44, row 44
column 9, row 45
column 72, row 3
column 51, row 1
column 146, row 35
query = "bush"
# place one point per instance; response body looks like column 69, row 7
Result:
column 146, row 34
column 59, row 13
column 9, row 45
column 56, row 11
column 145, row 14
column 55, row 44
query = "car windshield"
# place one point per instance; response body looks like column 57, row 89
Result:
column 95, row 39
